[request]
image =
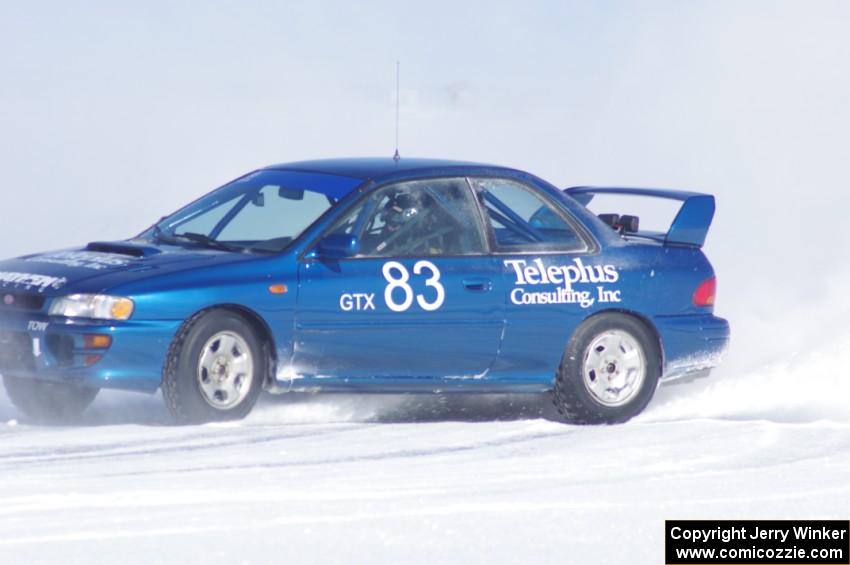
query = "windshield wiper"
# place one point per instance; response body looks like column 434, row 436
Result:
column 207, row 240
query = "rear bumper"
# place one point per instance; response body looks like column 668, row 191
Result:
column 691, row 343
column 33, row 345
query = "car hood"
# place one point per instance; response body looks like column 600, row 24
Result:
column 101, row 265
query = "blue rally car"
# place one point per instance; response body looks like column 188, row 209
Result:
column 370, row 275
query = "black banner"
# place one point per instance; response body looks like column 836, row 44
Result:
column 757, row 542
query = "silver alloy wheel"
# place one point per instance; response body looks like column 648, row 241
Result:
column 614, row 367
column 225, row 370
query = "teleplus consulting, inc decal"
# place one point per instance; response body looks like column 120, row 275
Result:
column 535, row 273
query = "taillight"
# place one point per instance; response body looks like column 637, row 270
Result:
column 704, row 294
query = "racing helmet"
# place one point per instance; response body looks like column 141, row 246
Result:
column 401, row 208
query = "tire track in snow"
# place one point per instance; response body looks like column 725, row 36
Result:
column 371, row 457
column 185, row 444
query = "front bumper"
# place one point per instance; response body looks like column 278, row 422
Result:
column 691, row 343
column 34, row 345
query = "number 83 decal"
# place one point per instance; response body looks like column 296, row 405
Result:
column 397, row 277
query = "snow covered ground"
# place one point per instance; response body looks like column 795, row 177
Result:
column 115, row 114
column 424, row 479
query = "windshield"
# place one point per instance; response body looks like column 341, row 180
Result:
column 262, row 211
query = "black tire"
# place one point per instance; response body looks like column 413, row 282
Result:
column 573, row 396
column 48, row 401
column 182, row 386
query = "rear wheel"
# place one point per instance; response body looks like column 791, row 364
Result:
column 49, row 401
column 214, row 370
column 609, row 371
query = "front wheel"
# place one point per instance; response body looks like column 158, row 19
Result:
column 48, row 401
column 214, row 370
column 609, row 371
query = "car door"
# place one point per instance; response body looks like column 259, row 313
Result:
column 419, row 296
column 552, row 280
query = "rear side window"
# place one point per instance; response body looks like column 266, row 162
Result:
column 522, row 220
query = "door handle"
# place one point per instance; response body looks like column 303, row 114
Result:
column 477, row 284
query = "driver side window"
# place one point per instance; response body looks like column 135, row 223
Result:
column 416, row 219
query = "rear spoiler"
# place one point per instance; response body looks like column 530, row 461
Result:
column 689, row 227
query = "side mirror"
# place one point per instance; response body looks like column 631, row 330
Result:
column 338, row 246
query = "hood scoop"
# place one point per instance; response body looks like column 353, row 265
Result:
column 122, row 248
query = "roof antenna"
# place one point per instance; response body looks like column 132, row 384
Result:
column 396, row 157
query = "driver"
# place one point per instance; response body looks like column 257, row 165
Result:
column 401, row 209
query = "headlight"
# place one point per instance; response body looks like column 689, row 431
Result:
column 99, row 306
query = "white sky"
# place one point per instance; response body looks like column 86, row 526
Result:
column 113, row 114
